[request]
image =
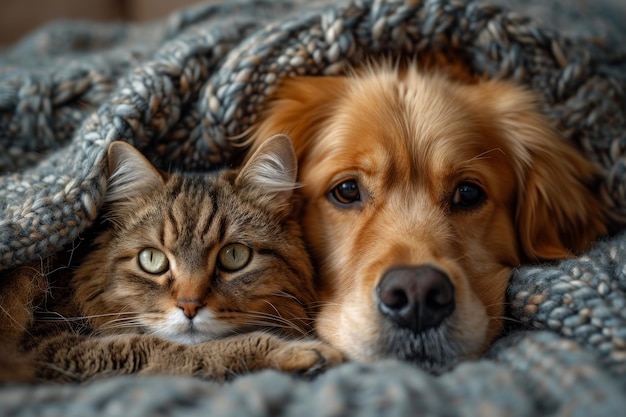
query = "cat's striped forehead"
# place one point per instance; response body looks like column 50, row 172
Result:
column 194, row 217
column 201, row 213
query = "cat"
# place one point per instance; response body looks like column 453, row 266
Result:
column 193, row 275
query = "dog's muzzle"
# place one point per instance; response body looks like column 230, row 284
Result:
column 415, row 298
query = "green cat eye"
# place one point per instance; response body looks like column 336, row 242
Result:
column 233, row 257
column 153, row 261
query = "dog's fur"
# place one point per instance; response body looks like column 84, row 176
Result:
column 412, row 142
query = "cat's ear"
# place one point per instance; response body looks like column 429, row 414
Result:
column 272, row 170
column 130, row 173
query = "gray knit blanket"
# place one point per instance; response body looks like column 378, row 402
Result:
column 182, row 89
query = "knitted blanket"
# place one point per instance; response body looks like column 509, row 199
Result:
column 181, row 90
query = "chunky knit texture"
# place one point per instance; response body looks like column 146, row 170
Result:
column 184, row 90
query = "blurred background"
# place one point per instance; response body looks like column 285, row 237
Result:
column 19, row 17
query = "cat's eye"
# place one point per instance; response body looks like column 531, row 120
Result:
column 234, row 257
column 153, row 261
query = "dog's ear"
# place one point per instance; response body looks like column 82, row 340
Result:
column 558, row 213
column 298, row 109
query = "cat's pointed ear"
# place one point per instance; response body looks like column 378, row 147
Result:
column 272, row 170
column 130, row 173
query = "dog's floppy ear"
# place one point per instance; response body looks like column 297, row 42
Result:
column 558, row 213
column 298, row 109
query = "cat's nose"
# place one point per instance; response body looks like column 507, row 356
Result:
column 189, row 306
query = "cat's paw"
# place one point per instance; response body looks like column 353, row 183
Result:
column 305, row 357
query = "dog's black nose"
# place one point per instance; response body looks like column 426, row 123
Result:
column 416, row 298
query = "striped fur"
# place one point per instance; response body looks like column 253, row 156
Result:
column 129, row 320
column 191, row 218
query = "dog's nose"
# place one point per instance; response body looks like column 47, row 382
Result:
column 416, row 298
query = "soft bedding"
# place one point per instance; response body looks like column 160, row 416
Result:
column 183, row 90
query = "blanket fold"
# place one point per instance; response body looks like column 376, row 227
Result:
column 185, row 89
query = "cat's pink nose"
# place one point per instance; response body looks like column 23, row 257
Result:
column 189, row 306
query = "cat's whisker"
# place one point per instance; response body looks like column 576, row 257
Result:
column 291, row 324
column 316, row 306
column 116, row 323
column 274, row 325
column 273, row 316
column 288, row 295
column 120, row 322
column 125, row 313
column 54, row 314
column 16, row 323
column 57, row 269
column 266, row 319
column 120, row 326
column 274, row 307
column 309, row 334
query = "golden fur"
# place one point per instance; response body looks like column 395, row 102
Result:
column 411, row 141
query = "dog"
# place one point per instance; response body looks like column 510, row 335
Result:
column 419, row 194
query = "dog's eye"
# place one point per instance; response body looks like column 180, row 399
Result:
column 346, row 193
column 467, row 195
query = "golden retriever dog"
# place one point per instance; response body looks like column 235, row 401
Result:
column 419, row 195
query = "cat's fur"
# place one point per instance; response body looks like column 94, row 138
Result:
column 199, row 312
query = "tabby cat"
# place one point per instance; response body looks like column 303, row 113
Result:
column 187, row 274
